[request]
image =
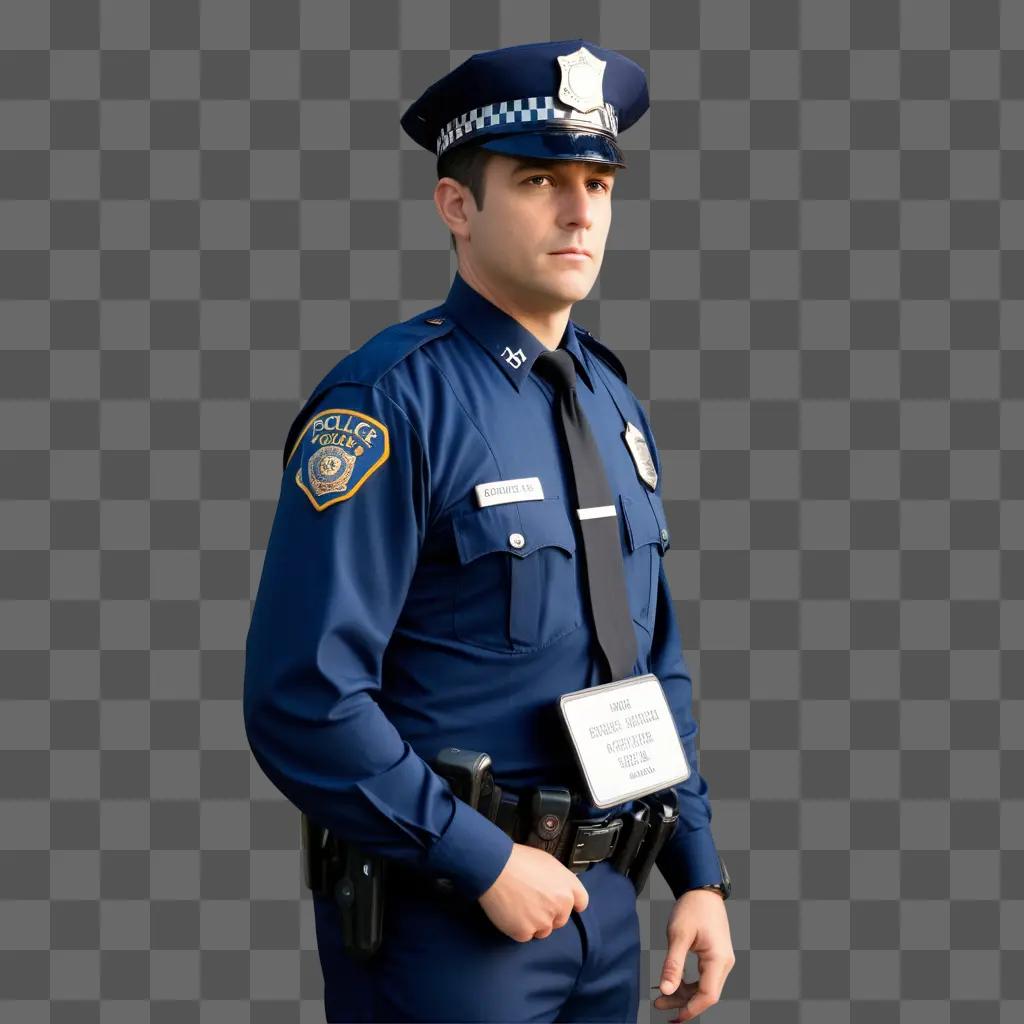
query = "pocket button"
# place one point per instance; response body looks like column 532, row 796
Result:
column 515, row 587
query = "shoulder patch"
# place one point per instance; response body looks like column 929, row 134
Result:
column 340, row 450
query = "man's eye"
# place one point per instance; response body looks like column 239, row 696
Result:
column 547, row 177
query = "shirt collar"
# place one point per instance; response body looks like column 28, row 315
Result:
column 512, row 346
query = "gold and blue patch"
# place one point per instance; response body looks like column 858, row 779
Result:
column 340, row 450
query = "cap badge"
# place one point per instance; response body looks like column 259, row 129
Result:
column 580, row 87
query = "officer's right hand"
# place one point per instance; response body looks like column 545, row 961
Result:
column 533, row 895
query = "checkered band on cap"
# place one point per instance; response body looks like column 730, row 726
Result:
column 531, row 108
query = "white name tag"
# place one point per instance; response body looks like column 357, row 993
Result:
column 500, row 492
column 625, row 739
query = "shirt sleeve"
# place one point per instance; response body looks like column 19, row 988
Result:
column 689, row 858
column 343, row 547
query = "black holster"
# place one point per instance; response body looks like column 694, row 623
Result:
column 353, row 879
column 661, row 822
column 356, row 881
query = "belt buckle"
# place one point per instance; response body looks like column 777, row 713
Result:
column 593, row 843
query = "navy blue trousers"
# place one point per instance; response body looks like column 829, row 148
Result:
column 442, row 959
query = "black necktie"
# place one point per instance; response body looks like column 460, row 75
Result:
column 603, row 566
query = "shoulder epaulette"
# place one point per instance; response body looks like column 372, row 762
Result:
column 603, row 352
column 371, row 361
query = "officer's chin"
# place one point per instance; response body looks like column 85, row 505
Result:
column 577, row 280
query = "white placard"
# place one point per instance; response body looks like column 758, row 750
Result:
column 625, row 739
column 500, row 492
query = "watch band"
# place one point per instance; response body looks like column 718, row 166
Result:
column 724, row 887
column 716, row 887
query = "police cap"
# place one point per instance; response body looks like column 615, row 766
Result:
column 565, row 100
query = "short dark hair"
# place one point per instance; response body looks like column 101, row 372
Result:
column 466, row 164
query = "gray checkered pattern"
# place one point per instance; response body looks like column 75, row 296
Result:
column 815, row 277
column 523, row 111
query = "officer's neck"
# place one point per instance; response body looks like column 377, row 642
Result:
column 547, row 325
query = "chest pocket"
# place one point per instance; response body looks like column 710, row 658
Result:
column 647, row 538
column 516, row 583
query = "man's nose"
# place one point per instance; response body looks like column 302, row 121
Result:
column 576, row 201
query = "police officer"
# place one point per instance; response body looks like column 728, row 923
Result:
column 433, row 580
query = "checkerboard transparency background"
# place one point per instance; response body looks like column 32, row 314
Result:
column 815, row 277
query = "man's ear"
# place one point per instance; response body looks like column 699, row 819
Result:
column 450, row 198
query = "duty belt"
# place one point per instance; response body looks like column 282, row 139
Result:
column 355, row 880
column 550, row 818
column 547, row 817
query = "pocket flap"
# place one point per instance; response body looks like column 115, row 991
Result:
column 646, row 522
column 541, row 524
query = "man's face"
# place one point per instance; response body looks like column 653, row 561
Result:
column 531, row 209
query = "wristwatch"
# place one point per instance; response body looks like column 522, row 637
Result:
column 724, row 887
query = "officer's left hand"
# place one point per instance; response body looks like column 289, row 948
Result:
column 699, row 922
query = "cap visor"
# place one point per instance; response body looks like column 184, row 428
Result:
column 556, row 144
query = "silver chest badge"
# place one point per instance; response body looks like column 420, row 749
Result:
column 582, row 73
column 637, row 444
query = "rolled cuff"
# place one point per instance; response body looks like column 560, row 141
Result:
column 689, row 860
column 472, row 851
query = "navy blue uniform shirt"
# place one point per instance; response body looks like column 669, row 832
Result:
column 395, row 617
